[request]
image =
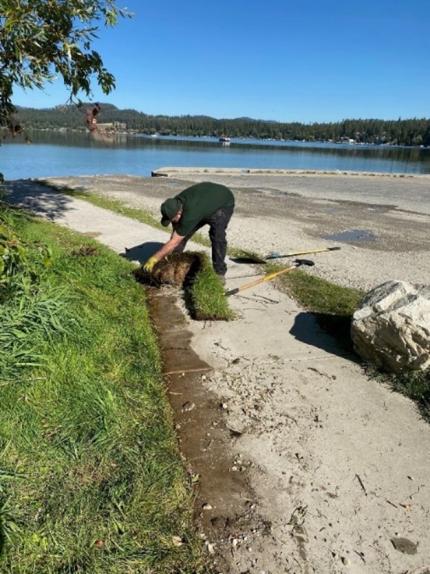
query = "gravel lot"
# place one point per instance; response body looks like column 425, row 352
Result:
column 381, row 223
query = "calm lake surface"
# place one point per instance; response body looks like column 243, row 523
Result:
column 63, row 154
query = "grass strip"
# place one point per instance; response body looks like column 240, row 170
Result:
column 206, row 294
column 332, row 305
column 316, row 294
column 90, row 476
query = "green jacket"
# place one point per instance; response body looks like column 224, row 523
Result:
column 199, row 202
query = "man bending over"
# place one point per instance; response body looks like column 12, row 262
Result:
column 201, row 204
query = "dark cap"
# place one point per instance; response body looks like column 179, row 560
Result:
column 169, row 209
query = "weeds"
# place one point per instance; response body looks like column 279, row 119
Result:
column 21, row 265
column 29, row 322
column 30, row 315
column 416, row 386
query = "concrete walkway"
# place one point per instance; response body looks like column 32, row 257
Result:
column 127, row 237
column 339, row 465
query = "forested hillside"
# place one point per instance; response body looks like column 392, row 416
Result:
column 402, row 132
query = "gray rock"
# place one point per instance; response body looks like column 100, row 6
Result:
column 404, row 545
column 392, row 326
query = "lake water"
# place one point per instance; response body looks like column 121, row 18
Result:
column 62, row 154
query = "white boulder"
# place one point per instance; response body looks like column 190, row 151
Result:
column 392, row 326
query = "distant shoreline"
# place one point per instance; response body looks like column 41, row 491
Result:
column 413, row 132
column 235, row 140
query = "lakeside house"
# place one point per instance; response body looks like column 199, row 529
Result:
column 112, row 126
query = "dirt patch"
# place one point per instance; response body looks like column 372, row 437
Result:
column 225, row 504
column 177, row 269
column 85, row 251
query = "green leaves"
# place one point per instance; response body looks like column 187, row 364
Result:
column 42, row 38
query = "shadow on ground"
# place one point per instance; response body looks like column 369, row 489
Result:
column 328, row 332
column 48, row 203
column 142, row 252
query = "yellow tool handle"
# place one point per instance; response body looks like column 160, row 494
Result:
column 268, row 277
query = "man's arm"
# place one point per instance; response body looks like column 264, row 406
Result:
column 167, row 249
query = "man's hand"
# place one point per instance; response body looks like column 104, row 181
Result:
column 167, row 249
column 150, row 264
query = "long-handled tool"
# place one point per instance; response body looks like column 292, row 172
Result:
column 270, row 276
column 248, row 257
column 277, row 256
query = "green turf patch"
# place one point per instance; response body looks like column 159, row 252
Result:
column 319, row 295
column 204, row 291
column 206, row 294
column 90, row 476
column 244, row 256
column 416, row 386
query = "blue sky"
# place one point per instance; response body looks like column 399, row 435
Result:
column 285, row 60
